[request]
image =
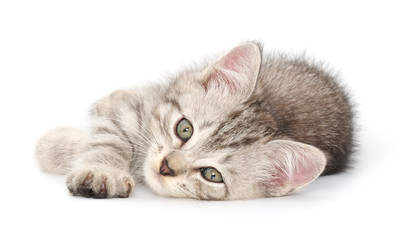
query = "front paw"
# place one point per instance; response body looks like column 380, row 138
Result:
column 100, row 183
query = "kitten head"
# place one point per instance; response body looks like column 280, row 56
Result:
column 213, row 141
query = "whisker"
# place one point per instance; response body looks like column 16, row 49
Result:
column 153, row 144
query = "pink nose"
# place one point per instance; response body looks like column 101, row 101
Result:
column 165, row 170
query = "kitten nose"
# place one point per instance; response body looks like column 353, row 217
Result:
column 165, row 170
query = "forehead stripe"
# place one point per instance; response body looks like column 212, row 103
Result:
column 174, row 103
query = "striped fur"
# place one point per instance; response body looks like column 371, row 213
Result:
column 269, row 124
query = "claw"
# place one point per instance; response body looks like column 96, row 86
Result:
column 128, row 184
column 103, row 193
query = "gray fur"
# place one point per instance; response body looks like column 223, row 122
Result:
column 269, row 124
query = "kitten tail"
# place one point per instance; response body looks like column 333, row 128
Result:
column 58, row 148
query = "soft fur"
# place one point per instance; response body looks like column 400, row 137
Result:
column 269, row 124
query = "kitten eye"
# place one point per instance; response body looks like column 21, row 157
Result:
column 184, row 130
column 212, row 175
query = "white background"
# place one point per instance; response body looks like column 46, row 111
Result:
column 58, row 57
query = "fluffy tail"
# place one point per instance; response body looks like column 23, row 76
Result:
column 57, row 150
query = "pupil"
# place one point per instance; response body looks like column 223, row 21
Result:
column 186, row 129
column 213, row 176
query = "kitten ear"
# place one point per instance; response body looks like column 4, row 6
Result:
column 237, row 71
column 294, row 165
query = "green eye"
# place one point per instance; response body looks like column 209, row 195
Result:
column 212, row 175
column 184, row 130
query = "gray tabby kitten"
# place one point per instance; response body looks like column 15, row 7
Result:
column 245, row 126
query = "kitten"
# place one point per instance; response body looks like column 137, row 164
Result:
column 245, row 126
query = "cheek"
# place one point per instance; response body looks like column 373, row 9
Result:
column 184, row 186
column 179, row 187
column 202, row 189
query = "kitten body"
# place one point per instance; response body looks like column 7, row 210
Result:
column 267, row 125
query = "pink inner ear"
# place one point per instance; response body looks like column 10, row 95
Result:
column 233, row 60
column 304, row 171
column 231, row 69
column 220, row 79
column 296, row 164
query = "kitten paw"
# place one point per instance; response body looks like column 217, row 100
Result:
column 106, row 105
column 105, row 183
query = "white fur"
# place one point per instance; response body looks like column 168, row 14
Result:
column 134, row 130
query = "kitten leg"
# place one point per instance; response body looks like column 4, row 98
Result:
column 59, row 148
column 97, row 164
column 103, row 171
